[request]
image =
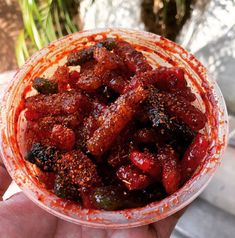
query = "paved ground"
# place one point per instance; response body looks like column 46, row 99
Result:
column 10, row 24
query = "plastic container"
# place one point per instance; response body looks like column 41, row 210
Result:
column 159, row 51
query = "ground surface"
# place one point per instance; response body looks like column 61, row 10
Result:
column 10, row 24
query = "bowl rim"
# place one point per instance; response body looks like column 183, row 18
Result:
column 128, row 223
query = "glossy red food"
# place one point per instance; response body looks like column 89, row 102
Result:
column 133, row 178
column 147, row 162
column 114, row 120
column 61, row 77
column 170, row 169
column 115, row 132
column 183, row 110
column 193, row 156
column 57, row 104
column 134, row 60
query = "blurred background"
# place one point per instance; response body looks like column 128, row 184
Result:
column 204, row 27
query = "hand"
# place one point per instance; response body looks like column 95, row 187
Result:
column 21, row 218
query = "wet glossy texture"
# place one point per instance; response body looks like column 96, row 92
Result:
column 158, row 51
column 142, row 154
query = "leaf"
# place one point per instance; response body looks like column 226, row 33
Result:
column 21, row 49
column 44, row 21
column 29, row 23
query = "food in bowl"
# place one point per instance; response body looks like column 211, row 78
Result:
column 110, row 131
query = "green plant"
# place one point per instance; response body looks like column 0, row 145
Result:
column 47, row 20
column 44, row 21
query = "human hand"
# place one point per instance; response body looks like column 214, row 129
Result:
column 21, row 218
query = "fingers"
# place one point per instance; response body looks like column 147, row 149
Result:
column 19, row 217
column 5, row 179
column 165, row 227
column 137, row 232
column 66, row 229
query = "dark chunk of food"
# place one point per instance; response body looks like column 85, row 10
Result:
column 80, row 57
column 106, row 95
column 45, row 86
column 65, row 190
column 40, row 131
column 165, row 112
column 107, row 173
column 154, row 192
column 44, row 157
column 167, row 79
column 185, row 93
column 84, row 55
column 183, row 133
column 156, row 108
column 109, row 198
column 172, row 131
column 109, row 43
column 115, row 80
column 113, row 198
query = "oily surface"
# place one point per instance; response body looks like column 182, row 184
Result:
column 114, row 133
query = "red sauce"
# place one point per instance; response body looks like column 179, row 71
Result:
column 211, row 106
column 110, row 127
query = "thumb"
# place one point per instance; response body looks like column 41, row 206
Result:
column 5, row 179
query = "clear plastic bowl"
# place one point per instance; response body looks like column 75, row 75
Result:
column 159, row 51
